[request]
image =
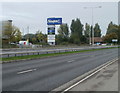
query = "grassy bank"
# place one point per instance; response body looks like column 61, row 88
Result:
column 48, row 55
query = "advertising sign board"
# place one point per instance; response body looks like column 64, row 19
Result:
column 51, row 37
column 51, row 30
column 54, row 21
column 51, row 41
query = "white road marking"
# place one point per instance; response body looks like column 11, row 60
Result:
column 104, row 66
column 26, row 71
column 70, row 61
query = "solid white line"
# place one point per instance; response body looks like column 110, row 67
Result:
column 26, row 71
column 109, row 62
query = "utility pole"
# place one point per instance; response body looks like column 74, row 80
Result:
column 23, row 31
column 28, row 33
column 92, row 28
column 92, row 25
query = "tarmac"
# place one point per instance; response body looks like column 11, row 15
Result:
column 105, row 80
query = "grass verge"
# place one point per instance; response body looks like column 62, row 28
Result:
column 48, row 55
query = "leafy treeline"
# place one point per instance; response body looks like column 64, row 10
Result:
column 37, row 38
column 77, row 33
column 11, row 34
column 112, row 33
column 80, row 34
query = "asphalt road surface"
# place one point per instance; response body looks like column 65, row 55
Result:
column 49, row 73
column 104, row 80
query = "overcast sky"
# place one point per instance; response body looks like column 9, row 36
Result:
column 35, row 14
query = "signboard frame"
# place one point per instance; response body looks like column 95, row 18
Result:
column 114, row 40
column 54, row 21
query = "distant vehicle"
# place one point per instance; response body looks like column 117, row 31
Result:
column 104, row 44
column 23, row 43
column 13, row 43
column 98, row 43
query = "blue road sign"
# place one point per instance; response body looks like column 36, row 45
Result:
column 54, row 21
column 51, row 32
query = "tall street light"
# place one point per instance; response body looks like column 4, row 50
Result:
column 92, row 10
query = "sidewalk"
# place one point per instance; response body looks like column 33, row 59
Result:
column 105, row 80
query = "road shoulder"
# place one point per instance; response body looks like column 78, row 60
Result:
column 105, row 80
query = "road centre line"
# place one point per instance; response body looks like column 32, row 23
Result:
column 26, row 71
column 70, row 61
column 103, row 66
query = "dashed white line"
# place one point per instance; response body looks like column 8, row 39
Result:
column 26, row 71
column 70, row 61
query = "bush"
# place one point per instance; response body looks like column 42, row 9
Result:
column 64, row 43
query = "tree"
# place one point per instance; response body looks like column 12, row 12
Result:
column 11, row 33
column 97, row 30
column 37, row 38
column 112, row 28
column 76, row 31
column 87, row 30
column 91, row 30
column 63, row 34
column 112, row 33
column 87, row 33
column 84, row 40
column 29, row 37
column 18, row 35
column 34, row 40
column 41, row 38
column 108, row 38
column 64, row 30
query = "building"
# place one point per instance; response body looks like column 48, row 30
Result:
column 5, row 25
column 98, row 40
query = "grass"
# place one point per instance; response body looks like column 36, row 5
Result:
column 47, row 55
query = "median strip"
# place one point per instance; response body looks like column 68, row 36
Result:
column 29, row 57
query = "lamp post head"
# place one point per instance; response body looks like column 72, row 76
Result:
column 85, row 7
column 100, row 6
column 92, row 7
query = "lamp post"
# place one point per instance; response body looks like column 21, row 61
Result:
column 92, row 30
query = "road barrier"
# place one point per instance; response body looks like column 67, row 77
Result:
column 7, row 55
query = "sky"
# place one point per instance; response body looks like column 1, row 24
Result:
column 35, row 14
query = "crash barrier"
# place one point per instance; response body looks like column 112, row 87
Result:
column 7, row 55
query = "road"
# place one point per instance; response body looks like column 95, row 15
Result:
column 48, row 73
column 104, row 80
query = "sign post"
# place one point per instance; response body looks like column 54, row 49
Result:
column 114, row 41
column 51, row 22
